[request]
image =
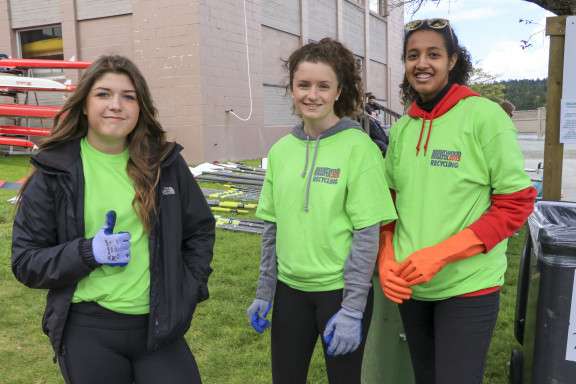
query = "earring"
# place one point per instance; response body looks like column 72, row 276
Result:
column 336, row 99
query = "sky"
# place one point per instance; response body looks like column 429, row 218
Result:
column 492, row 33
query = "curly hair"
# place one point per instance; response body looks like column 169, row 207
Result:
column 344, row 65
column 460, row 74
column 147, row 141
column 508, row 107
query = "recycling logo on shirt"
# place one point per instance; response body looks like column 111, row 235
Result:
column 445, row 158
column 326, row 175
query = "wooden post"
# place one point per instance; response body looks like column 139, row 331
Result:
column 553, row 149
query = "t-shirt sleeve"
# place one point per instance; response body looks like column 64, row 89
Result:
column 389, row 161
column 504, row 159
column 266, row 210
column 368, row 200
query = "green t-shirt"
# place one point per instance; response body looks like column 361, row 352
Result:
column 108, row 187
column 348, row 191
column 472, row 153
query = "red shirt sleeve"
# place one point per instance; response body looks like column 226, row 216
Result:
column 506, row 215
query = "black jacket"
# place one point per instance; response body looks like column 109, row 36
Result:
column 49, row 250
column 369, row 108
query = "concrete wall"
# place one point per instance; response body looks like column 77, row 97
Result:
column 7, row 36
column 231, row 78
column 395, row 67
column 31, row 13
column 205, row 57
column 166, row 47
column 90, row 9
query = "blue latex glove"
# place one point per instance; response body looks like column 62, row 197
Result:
column 257, row 314
column 343, row 332
column 109, row 248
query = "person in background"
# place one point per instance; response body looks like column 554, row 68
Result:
column 457, row 175
column 377, row 134
column 323, row 199
column 372, row 105
column 113, row 224
column 508, row 107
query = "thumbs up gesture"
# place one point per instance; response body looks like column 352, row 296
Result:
column 110, row 248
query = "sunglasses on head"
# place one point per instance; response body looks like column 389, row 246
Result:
column 432, row 23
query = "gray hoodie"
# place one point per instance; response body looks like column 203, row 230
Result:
column 298, row 131
column 361, row 259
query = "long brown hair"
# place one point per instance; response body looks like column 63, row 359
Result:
column 147, row 141
column 342, row 62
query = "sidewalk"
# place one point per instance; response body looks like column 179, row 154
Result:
column 533, row 151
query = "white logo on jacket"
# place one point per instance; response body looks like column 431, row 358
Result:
column 168, row 191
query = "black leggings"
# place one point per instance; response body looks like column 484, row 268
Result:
column 298, row 319
column 101, row 346
column 449, row 339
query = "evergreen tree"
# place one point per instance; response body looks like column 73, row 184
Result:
column 526, row 94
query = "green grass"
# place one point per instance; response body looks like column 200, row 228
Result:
column 504, row 342
column 226, row 348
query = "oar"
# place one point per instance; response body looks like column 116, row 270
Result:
column 242, row 166
column 232, row 194
column 253, row 221
column 231, row 204
column 243, row 188
column 220, row 209
column 239, row 228
column 236, row 169
column 240, row 222
column 229, row 180
column 233, row 174
column 215, row 193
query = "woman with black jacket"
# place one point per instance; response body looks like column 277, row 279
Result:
column 121, row 296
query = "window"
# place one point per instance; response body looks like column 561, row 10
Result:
column 360, row 61
column 43, row 43
column 378, row 7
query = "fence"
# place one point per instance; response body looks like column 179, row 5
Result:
column 387, row 118
column 530, row 122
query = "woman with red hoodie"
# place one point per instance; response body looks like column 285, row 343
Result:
column 460, row 189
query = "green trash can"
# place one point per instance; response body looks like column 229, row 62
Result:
column 386, row 356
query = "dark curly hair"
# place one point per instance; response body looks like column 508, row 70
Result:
column 344, row 64
column 460, row 74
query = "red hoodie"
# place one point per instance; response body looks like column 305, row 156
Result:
column 508, row 212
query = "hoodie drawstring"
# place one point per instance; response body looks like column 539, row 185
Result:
column 428, row 137
column 431, row 118
column 420, row 138
column 306, row 161
column 311, row 168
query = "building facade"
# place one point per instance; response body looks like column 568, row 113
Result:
column 214, row 67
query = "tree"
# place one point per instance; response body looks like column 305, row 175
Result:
column 486, row 85
column 558, row 7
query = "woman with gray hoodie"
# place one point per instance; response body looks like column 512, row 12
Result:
column 324, row 199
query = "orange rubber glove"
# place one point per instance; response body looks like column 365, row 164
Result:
column 395, row 288
column 423, row 265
